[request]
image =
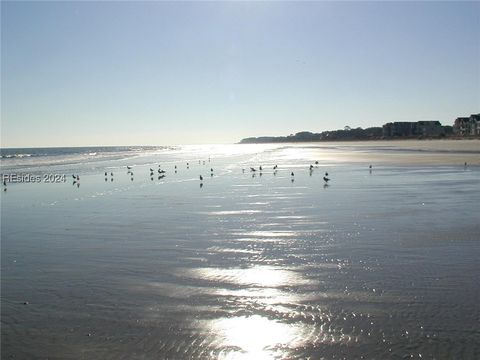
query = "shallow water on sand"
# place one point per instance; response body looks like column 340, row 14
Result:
column 380, row 264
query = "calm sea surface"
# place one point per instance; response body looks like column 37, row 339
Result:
column 381, row 264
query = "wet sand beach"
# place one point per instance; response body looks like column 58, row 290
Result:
column 376, row 264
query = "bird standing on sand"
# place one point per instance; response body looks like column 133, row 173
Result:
column 326, row 179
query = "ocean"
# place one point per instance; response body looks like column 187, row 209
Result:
column 379, row 263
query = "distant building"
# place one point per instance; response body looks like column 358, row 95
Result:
column 475, row 124
column 429, row 128
column 409, row 129
column 461, row 126
column 467, row 126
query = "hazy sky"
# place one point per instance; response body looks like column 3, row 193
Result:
column 121, row 73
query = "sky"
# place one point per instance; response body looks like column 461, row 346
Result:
column 158, row 73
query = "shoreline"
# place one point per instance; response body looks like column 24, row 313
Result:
column 396, row 152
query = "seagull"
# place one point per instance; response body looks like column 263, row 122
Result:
column 105, row 173
column 151, row 170
column 211, row 169
column 326, row 174
column 326, row 179
column 292, row 174
column 316, row 162
column 311, row 167
column 252, row 169
column 275, row 167
column 201, row 178
column 128, row 167
column 260, row 168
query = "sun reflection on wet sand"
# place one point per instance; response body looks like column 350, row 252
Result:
column 255, row 337
column 261, row 276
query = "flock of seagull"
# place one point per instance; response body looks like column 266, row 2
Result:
column 162, row 173
column 292, row 174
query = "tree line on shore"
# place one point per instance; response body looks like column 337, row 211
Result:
column 348, row 133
